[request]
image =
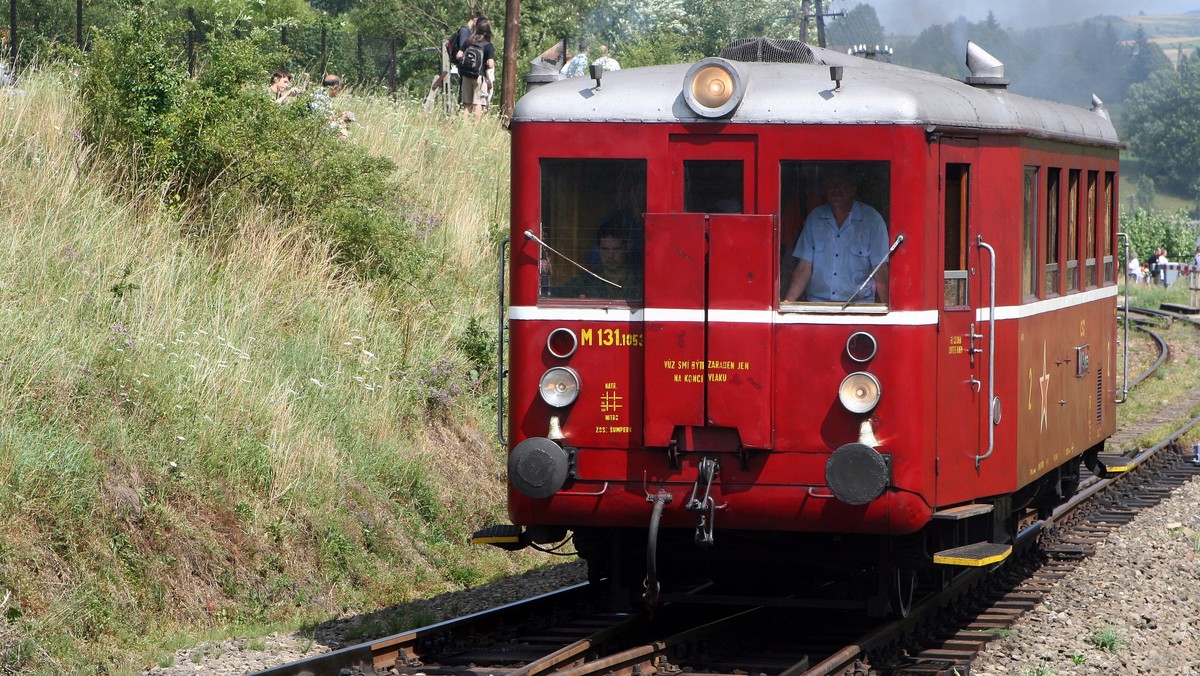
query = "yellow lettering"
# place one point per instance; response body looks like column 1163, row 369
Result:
column 610, row 386
column 585, row 336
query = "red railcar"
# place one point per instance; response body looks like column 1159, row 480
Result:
column 665, row 396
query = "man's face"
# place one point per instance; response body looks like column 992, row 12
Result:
column 612, row 252
column 281, row 84
column 840, row 189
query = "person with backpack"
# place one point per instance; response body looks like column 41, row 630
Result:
column 450, row 49
column 476, row 67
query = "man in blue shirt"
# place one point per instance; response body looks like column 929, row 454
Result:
column 842, row 241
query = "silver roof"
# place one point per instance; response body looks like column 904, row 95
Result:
column 872, row 92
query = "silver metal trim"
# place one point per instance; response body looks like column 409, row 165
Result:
column 501, row 339
column 574, row 342
column 1125, row 335
column 874, row 347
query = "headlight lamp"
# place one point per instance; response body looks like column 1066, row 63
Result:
column 559, row 386
column 859, row 392
column 713, row 87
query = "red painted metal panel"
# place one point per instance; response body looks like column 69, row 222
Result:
column 675, row 351
column 741, row 276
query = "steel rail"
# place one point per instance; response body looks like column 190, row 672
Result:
column 403, row 649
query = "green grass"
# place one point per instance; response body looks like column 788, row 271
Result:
column 1106, row 638
column 199, row 437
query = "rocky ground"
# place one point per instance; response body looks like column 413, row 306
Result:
column 1133, row 608
column 247, row 655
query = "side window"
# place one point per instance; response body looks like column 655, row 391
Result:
column 834, row 220
column 1110, row 273
column 592, row 214
column 1050, row 255
column 1029, row 240
column 1073, row 230
column 1089, row 254
column 955, row 234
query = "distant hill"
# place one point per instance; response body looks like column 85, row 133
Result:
column 1174, row 33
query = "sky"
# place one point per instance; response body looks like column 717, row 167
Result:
column 909, row 17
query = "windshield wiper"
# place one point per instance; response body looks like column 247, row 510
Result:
column 899, row 239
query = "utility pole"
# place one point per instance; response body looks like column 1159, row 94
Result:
column 508, row 87
column 807, row 13
column 805, row 19
column 820, row 24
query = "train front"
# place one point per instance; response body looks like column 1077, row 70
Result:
column 663, row 386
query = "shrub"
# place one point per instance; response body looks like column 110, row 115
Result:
column 218, row 144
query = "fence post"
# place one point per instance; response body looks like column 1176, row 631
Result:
column 324, row 54
column 361, row 75
column 392, row 67
column 12, row 32
column 191, row 42
column 79, row 24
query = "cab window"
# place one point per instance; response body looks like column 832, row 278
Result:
column 834, row 220
column 592, row 214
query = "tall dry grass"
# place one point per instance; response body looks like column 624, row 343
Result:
column 200, row 434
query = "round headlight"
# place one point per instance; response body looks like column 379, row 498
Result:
column 562, row 343
column 713, row 87
column 859, row 392
column 559, row 386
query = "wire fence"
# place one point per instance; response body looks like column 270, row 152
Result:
column 366, row 62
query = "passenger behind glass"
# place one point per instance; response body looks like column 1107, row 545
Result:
column 615, row 259
column 842, row 241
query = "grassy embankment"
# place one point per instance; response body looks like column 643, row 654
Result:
column 201, row 437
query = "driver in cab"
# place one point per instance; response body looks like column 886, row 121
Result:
column 841, row 243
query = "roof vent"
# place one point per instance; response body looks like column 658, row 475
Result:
column 986, row 70
column 1098, row 107
column 767, row 50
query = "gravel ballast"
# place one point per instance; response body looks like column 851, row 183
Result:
column 1133, row 608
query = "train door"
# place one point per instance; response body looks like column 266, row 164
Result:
column 709, row 296
column 962, row 360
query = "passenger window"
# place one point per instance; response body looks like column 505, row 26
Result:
column 1029, row 272
column 592, row 215
column 1089, row 255
column 1052, row 225
column 1073, row 230
column 834, row 234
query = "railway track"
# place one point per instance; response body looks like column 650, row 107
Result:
column 565, row 632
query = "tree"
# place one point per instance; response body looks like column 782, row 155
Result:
column 1163, row 130
column 859, row 26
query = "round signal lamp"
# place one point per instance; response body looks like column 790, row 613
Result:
column 559, row 386
column 562, row 343
column 859, row 392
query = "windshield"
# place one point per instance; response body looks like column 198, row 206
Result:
column 592, row 214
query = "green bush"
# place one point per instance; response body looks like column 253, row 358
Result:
column 218, row 144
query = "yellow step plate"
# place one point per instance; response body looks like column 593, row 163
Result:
column 978, row 554
column 497, row 535
column 1115, row 463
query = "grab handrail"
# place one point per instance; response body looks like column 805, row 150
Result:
column 992, row 400
column 501, row 374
